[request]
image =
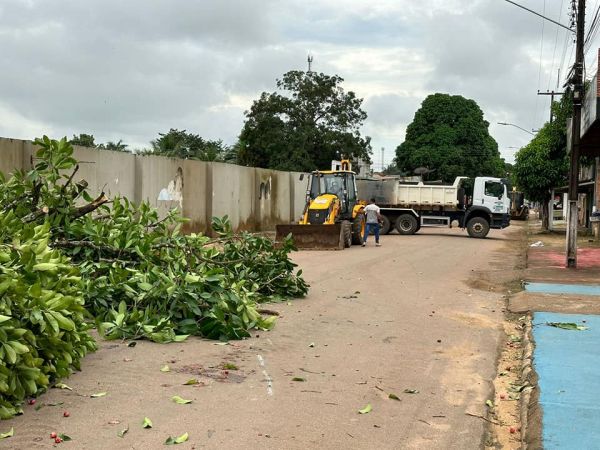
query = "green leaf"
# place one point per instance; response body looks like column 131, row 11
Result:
column 177, row 440
column 8, row 434
column 65, row 437
column 4, row 318
column 98, row 394
column 147, row 423
column 179, row 400
column 489, row 403
column 191, row 382
column 165, row 368
column 298, row 379
column 366, row 410
column 393, row 397
column 123, row 432
column 62, row 386
column 567, row 326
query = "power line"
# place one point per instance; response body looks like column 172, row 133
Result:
column 535, row 114
column 555, row 45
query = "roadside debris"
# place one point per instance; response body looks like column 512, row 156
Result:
column 567, row 326
column 537, row 244
column 366, row 410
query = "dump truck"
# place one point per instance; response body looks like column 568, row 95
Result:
column 332, row 216
column 477, row 204
column 518, row 209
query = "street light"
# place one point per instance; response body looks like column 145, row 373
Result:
column 516, row 126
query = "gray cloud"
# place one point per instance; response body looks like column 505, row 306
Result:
column 128, row 70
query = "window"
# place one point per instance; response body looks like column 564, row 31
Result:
column 494, row 189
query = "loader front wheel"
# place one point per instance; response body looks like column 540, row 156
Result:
column 347, row 233
column 358, row 229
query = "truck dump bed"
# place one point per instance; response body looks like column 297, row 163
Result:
column 390, row 192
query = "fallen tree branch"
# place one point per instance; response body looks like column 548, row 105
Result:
column 85, row 209
column 269, row 312
column 482, row 417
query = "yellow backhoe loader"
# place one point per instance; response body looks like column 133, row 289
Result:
column 333, row 217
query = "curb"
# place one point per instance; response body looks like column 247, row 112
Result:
column 527, row 374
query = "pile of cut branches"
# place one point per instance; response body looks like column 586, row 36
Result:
column 141, row 277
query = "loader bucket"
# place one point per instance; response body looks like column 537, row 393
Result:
column 313, row 237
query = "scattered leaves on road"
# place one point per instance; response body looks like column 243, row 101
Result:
column 393, row 397
column 8, row 434
column 312, row 344
column 411, row 391
column 123, row 432
column 165, row 368
column 98, row 395
column 147, row 423
column 298, row 379
column 65, row 437
column 489, row 403
column 230, row 366
column 181, row 401
column 177, row 440
column 366, row 410
column 191, row 381
column 62, row 386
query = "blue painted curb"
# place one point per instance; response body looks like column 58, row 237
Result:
column 567, row 363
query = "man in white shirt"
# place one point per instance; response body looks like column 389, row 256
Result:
column 373, row 217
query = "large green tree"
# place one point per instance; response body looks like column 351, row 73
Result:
column 184, row 145
column 543, row 164
column 308, row 123
column 450, row 137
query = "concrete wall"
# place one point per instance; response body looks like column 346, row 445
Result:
column 253, row 199
column 11, row 155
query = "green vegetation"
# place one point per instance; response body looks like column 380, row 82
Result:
column 65, row 255
column 184, row 145
column 450, row 137
column 310, row 123
column 543, row 163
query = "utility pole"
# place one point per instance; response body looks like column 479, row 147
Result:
column 382, row 161
column 310, row 60
column 551, row 94
column 577, row 83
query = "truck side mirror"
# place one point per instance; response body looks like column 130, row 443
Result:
column 301, row 176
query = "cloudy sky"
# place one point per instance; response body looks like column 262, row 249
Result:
column 130, row 69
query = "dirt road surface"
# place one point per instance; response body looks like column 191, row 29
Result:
column 419, row 313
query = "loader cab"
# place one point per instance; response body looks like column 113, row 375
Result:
column 339, row 183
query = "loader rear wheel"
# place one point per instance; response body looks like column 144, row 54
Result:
column 347, row 233
column 407, row 224
column 358, row 229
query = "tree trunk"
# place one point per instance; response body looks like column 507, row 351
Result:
column 545, row 212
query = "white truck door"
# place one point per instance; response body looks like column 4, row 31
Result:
column 490, row 193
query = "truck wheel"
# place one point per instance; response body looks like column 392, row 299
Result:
column 407, row 224
column 358, row 229
column 386, row 225
column 478, row 227
column 347, row 233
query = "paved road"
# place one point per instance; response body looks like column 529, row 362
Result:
column 415, row 324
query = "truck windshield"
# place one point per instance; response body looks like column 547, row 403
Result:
column 330, row 183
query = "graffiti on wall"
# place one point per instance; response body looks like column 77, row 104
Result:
column 174, row 190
